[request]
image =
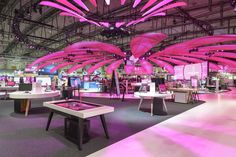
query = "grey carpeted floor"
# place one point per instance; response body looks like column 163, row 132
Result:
column 26, row 136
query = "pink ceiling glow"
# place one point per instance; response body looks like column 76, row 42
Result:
column 80, row 10
column 92, row 55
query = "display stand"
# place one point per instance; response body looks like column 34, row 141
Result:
column 114, row 84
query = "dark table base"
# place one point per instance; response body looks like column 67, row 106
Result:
column 81, row 124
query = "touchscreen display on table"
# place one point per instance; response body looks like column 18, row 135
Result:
column 75, row 105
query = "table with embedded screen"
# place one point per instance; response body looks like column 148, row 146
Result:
column 79, row 110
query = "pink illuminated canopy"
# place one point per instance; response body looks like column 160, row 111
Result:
column 74, row 10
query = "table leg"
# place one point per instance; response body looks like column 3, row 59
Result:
column 49, row 120
column 164, row 104
column 141, row 100
column 102, row 117
column 80, row 133
column 152, row 107
column 27, row 107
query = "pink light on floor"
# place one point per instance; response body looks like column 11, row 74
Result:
column 136, row 2
column 164, row 65
column 147, row 67
column 114, row 66
column 143, row 43
column 159, row 5
column 81, row 4
column 91, row 69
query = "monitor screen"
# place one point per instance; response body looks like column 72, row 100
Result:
column 199, row 70
column 46, row 70
column 44, row 80
column 25, row 87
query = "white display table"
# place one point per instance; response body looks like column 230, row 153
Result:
column 27, row 96
column 8, row 89
column 151, row 95
column 184, row 95
column 79, row 110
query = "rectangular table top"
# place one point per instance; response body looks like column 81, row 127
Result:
column 79, row 109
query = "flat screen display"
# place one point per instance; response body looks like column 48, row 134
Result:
column 44, row 80
column 46, row 70
column 199, row 70
column 77, row 106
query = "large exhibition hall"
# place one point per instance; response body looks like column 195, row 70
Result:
column 117, row 78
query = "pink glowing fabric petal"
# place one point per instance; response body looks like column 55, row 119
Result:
column 119, row 24
column 69, row 5
column 164, row 2
column 146, row 67
column 164, row 65
column 130, row 23
column 108, row 2
column 177, row 4
column 225, row 54
column 72, row 15
column 195, row 60
column 122, row 2
column 60, row 66
column 105, row 24
column 175, row 61
column 91, row 69
column 136, row 2
column 48, row 63
column 190, row 44
column 147, row 17
column 94, row 2
column 114, row 66
column 218, row 47
column 218, row 59
column 98, row 45
column 129, row 69
column 58, row 55
column 148, row 4
column 81, row 4
column 143, row 43
column 55, row 5
column 44, row 58
column 79, row 66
